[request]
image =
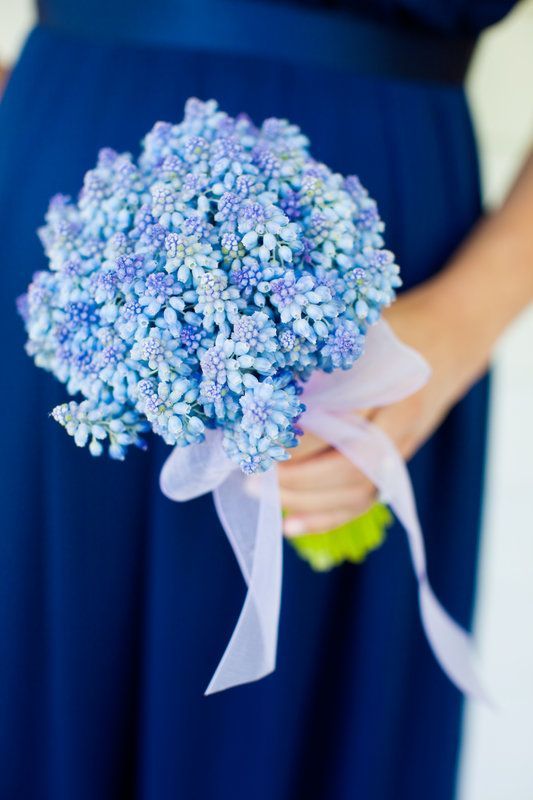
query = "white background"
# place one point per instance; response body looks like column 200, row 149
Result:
column 497, row 761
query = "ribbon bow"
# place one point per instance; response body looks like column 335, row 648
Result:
column 386, row 373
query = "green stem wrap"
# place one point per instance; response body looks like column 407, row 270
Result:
column 349, row 542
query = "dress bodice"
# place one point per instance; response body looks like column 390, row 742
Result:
column 449, row 16
column 455, row 16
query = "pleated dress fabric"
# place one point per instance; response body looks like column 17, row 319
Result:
column 115, row 603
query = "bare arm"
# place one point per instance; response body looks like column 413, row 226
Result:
column 4, row 72
column 454, row 320
column 487, row 283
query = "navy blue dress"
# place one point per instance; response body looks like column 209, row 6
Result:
column 115, row 603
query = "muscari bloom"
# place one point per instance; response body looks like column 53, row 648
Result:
column 199, row 285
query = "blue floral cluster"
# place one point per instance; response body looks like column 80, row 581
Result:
column 199, row 286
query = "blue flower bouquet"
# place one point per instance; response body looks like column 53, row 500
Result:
column 225, row 291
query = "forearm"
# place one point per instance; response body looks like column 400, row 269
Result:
column 3, row 77
column 454, row 320
column 484, row 286
column 490, row 279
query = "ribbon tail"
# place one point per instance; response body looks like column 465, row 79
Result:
column 451, row 644
column 375, row 455
column 254, row 529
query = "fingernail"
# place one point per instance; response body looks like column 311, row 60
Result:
column 294, row 526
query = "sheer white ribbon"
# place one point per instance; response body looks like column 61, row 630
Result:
column 387, row 372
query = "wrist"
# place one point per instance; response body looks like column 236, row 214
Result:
column 437, row 321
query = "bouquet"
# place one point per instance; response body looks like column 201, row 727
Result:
column 225, row 291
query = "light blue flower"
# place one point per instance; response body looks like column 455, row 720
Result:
column 255, row 336
column 343, row 347
column 217, row 301
column 202, row 283
column 91, row 424
column 186, row 253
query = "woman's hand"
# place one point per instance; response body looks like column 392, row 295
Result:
column 320, row 488
column 454, row 321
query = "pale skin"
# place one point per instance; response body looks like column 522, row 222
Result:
column 454, row 319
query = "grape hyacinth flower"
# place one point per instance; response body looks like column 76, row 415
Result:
column 201, row 284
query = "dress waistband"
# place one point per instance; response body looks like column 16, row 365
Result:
column 292, row 33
